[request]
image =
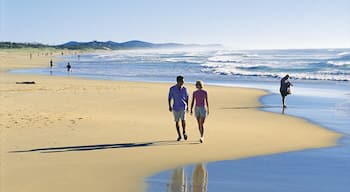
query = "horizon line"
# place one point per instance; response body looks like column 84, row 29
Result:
column 197, row 44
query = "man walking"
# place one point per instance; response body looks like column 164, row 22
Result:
column 178, row 93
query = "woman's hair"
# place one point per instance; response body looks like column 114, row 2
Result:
column 200, row 83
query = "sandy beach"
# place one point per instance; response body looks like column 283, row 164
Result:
column 72, row 134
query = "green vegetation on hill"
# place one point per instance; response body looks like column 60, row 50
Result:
column 12, row 45
column 108, row 45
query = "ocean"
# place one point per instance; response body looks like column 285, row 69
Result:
column 209, row 65
column 321, row 94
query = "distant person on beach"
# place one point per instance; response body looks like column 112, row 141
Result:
column 51, row 64
column 178, row 93
column 201, row 109
column 69, row 67
column 285, row 89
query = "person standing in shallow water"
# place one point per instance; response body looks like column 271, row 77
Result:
column 285, row 89
column 68, row 67
column 201, row 98
column 178, row 94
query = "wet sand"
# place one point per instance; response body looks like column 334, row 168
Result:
column 71, row 134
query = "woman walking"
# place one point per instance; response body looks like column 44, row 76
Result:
column 200, row 96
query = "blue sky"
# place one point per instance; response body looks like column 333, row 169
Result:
column 235, row 23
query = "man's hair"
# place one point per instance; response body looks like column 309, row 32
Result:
column 179, row 78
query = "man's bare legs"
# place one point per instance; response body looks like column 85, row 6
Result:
column 184, row 128
column 178, row 130
column 183, row 123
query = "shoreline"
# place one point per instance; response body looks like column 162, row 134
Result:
column 67, row 93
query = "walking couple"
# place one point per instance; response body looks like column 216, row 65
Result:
column 179, row 96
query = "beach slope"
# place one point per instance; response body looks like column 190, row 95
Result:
column 71, row 134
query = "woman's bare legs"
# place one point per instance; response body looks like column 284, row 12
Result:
column 284, row 101
column 200, row 121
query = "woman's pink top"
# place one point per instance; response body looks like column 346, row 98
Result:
column 199, row 96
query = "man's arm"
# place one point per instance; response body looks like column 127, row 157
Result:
column 186, row 104
column 186, row 100
column 169, row 103
column 207, row 102
column 192, row 103
column 169, row 100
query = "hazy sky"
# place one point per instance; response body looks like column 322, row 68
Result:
column 236, row 23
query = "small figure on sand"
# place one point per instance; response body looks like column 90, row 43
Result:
column 285, row 89
column 178, row 93
column 68, row 67
column 51, row 64
column 201, row 110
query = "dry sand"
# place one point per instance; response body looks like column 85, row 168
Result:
column 71, row 134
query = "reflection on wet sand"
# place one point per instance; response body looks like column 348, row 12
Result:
column 199, row 179
column 177, row 183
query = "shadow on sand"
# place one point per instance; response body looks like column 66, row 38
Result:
column 105, row 146
column 258, row 107
column 254, row 107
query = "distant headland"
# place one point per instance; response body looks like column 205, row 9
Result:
column 103, row 45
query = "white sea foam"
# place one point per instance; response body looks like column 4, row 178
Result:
column 251, row 55
column 338, row 63
column 229, row 52
column 180, row 60
column 152, row 55
column 344, row 53
column 275, row 64
column 224, row 69
column 227, row 59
